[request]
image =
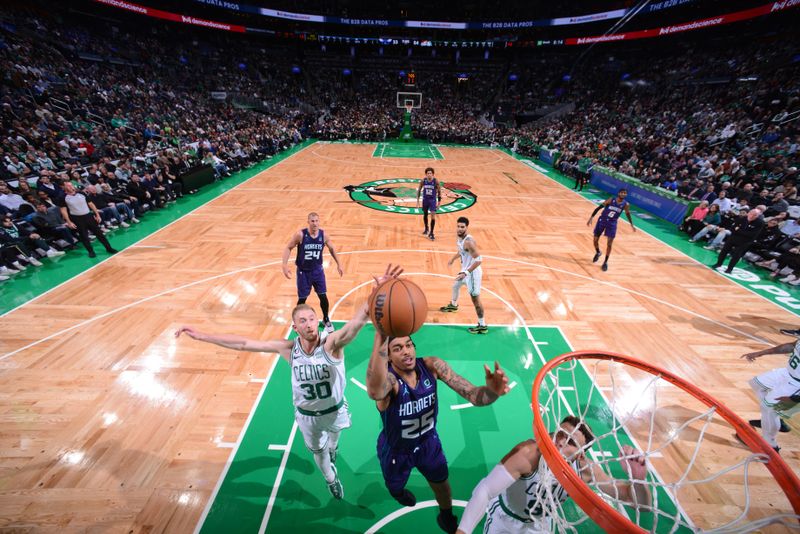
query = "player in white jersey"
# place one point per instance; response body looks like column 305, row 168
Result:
column 318, row 377
column 470, row 275
column 778, row 391
column 514, row 497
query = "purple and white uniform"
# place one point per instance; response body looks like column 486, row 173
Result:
column 429, row 192
column 309, row 264
column 409, row 438
column 608, row 218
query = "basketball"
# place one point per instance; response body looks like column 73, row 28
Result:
column 398, row 307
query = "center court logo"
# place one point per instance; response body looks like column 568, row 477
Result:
column 399, row 195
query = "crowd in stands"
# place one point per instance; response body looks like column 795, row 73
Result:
column 122, row 123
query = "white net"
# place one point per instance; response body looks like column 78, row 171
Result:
column 700, row 477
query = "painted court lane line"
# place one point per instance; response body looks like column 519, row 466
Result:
column 387, row 251
column 239, row 439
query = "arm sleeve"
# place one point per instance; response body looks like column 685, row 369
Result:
column 487, row 489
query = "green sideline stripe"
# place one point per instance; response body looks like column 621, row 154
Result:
column 749, row 276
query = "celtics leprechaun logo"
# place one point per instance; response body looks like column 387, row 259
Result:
column 399, row 195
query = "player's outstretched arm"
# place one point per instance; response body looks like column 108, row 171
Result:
column 380, row 382
column 634, row 492
column 281, row 346
column 293, row 242
column 337, row 340
column 777, row 349
column 521, row 460
column 496, row 382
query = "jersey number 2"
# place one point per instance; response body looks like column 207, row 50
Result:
column 414, row 428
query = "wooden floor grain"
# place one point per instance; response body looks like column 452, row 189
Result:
column 111, row 424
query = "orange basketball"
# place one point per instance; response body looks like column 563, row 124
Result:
column 398, row 307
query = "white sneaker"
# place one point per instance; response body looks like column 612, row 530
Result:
column 3, row 278
column 34, row 261
column 17, row 265
column 104, row 229
column 52, row 253
column 124, row 224
column 6, row 270
column 789, row 278
column 134, row 220
column 329, row 327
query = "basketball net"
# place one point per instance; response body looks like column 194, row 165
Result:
column 700, row 478
column 409, row 107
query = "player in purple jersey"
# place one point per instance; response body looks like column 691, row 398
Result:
column 404, row 390
column 607, row 223
column 310, row 242
column 431, row 192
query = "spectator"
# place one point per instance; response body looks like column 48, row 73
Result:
column 694, row 222
column 82, row 215
column 743, row 235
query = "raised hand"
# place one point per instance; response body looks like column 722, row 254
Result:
column 496, row 381
column 750, row 356
column 391, row 272
column 191, row 332
column 633, row 463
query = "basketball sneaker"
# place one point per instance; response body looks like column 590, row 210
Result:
column 425, row 231
column 787, row 332
column 328, row 326
column 739, row 439
column 406, row 498
column 478, row 329
column 604, row 267
column 449, row 308
column 757, row 424
column 447, row 521
column 335, row 487
column 430, row 236
column 596, row 256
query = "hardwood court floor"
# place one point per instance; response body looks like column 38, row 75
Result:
column 110, row 424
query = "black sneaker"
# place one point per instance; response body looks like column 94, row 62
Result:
column 406, row 498
column 478, row 329
column 788, row 332
column 425, row 231
column 604, row 267
column 596, row 256
column 739, row 439
column 449, row 308
column 430, row 236
column 756, row 423
column 448, row 523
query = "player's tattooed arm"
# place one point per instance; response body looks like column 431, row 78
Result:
column 380, row 382
column 598, row 208
column 496, row 382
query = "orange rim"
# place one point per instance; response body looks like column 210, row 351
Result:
column 608, row 518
